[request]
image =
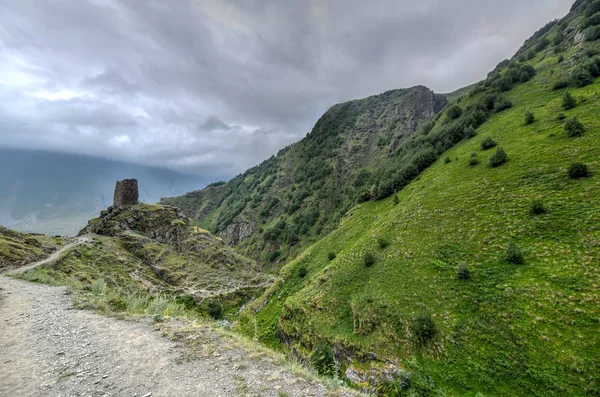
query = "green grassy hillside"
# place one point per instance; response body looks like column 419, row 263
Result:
column 272, row 211
column 18, row 249
column 438, row 250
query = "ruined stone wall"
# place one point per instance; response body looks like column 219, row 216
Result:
column 126, row 193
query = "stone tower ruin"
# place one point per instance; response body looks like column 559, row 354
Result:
column 126, row 193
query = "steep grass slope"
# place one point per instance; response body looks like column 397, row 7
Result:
column 527, row 329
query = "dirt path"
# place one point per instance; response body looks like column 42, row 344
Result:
column 54, row 256
column 47, row 348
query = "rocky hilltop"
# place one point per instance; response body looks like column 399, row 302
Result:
column 272, row 211
column 185, row 259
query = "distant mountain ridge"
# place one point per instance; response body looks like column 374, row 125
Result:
column 56, row 193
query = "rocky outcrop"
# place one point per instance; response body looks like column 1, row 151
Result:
column 238, row 231
column 164, row 224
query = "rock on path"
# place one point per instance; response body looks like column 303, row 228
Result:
column 47, row 348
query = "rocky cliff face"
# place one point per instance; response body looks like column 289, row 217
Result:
column 298, row 196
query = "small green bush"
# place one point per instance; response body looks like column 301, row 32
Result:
column 561, row 117
column 558, row 38
column 502, row 104
column 463, row 273
column 578, row 171
column 488, row 143
column 581, row 77
column 383, row 243
column 529, row 117
column 323, row 360
column 331, row 256
column 447, row 160
column 573, row 127
column 537, row 207
column 369, row 259
column 489, row 101
column 498, row 158
column 569, row 102
column 215, row 309
column 271, row 256
column 454, row 112
column 470, row 132
column 474, row 161
column 542, row 44
column 514, row 254
column 365, row 195
column 396, row 199
column 561, row 58
column 560, row 84
column 423, row 328
column 593, row 33
column 302, row 271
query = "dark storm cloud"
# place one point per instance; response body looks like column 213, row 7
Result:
column 217, row 86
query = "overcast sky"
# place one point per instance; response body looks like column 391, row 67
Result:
column 213, row 87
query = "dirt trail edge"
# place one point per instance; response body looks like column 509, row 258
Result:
column 54, row 256
column 48, row 348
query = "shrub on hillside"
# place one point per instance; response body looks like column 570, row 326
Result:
column 537, row 208
column 593, row 33
column 592, row 67
column 514, row 254
column 302, row 271
column 463, row 273
column 365, row 195
column 568, row 102
column 580, row 77
column 578, row 170
column 574, row 127
column 488, row 143
column 369, row 259
column 529, row 117
column 331, row 256
column 383, row 242
column 561, row 58
column 272, row 255
column 470, row 132
column 396, row 199
column 323, row 360
column 423, row 328
column 215, row 309
column 558, row 38
column 489, row 101
column 561, row 117
column 560, row 84
column 542, row 44
column 526, row 73
column 473, row 161
column 455, row 112
column 498, row 158
column 593, row 20
column 447, row 160
column 502, row 104
column 592, row 8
